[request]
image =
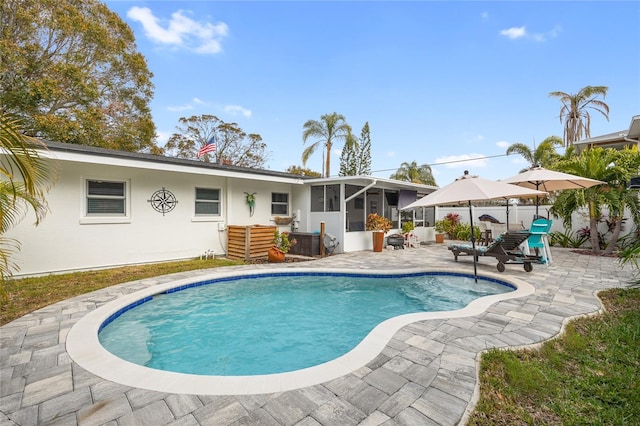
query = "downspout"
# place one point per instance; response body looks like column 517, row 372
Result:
column 373, row 182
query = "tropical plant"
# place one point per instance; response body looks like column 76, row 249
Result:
column 544, row 155
column 408, row 227
column 329, row 129
column 25, row 180
column 233, row 145
column 411, row 172
column 575, row 111
column 282, row 242
column 71, row 72
column 441, row 226
column 568, row 239
column 447, row 224
column 375, row 222
column 631, row 255
column 462, row 231
column 627, row 166
column 608, row 165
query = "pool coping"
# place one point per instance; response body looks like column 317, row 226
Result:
column 84, row 348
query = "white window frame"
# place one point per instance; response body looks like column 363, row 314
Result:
column 96, row 218
column 200, row 217
column 280, row 203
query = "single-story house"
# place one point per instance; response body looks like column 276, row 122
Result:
column 111, row 208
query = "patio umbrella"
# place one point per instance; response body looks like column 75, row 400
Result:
column 469, row 189
column 549, row 180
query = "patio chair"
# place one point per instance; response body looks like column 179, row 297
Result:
column 538, row 241
column 505, row 248
column 411, row 240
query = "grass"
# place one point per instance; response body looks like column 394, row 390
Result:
column 25, row 295
column 588, row 376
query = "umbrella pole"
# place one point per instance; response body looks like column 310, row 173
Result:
column 507, row 214
column 473, row 245
column 537, row 200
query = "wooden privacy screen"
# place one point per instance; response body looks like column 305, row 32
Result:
column 249, row 242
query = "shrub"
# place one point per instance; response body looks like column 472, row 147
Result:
column 407, row 227
column 281, row 241
column 566, row 239
column 375, row 222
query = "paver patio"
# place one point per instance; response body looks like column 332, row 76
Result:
column 426, row 375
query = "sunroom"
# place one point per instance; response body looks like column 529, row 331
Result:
column 343, row 204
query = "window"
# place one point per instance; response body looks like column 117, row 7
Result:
column 333, row 198
column 207, row 202
column 279, row 204
column 325, row 198
column 317, row 198
column 106, row 198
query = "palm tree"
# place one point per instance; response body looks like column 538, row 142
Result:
column 411, row 172
column 626, row 167
column 544, row 155
column 330, row 128
column 608, row 165
column 575, row 111
column 25, row 180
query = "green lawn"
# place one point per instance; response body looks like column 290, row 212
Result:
column 588, row 376
column 19, row 297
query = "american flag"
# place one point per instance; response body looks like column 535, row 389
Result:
column 209, row 147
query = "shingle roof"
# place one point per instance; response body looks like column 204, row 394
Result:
column 111, row 153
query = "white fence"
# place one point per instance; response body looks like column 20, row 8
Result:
column 523, row 216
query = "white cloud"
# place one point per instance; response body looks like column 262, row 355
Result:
column 177, row 108
column 462, row 161
column 503, row 144
column 514, row 32
column 553, row 33
column 520, row 32
column 391, row 154
column 199, row 101
column 237, row 109
column 180, row 30
column 484, row 16
column 162, row 137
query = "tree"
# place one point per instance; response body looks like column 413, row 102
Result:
column 349, row 157
column 627, row 166
column 296, row 170
column 411, row 172
column 363, row 166
column 610, row 166
column 575, row 111
column 330, row 128
column 355, row 159
column 233, row 145
column 25, row 181
column 71, row 73
column 544, row 155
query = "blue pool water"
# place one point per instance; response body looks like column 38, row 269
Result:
column 278, row 322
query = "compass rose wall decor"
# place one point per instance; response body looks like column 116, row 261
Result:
column 163, row 201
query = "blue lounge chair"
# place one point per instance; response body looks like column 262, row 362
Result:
column 539, row 230
column 505, row 248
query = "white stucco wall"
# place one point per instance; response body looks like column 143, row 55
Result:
column 67, row 240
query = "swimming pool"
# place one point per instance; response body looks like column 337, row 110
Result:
column 84, row 347
column 276, row 322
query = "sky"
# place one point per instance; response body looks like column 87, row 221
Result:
column 438, row 82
